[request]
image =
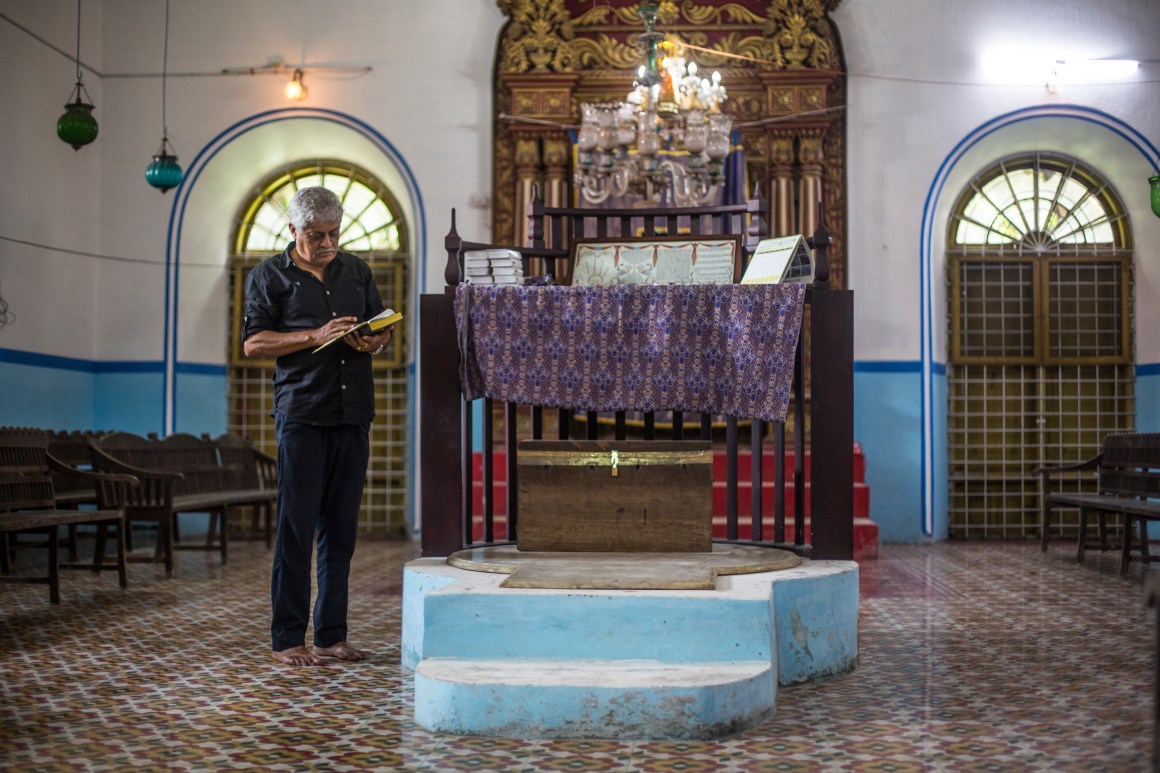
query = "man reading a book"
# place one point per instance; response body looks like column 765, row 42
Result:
column 323, row 406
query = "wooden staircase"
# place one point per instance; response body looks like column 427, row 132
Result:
column 865, row 530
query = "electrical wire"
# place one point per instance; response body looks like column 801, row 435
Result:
column 114, row 258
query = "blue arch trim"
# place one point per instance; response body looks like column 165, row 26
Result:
column 926, row 245
column 181, row 201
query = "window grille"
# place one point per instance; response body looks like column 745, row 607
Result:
column 1040, row 284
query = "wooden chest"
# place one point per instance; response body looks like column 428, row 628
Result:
column 615, row 496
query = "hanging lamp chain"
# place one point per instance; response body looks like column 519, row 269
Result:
column 78, row 59
column 164, row 76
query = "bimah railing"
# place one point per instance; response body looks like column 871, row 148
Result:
column 448, row 522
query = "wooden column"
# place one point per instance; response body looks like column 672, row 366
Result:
column 781, row 162
column 810, row 195
column 527, row 178
column 557, row 152
column 540, row 101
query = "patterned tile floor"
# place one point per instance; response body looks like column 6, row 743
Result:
column 974, row 657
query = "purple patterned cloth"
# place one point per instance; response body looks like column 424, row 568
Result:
column 712, row 348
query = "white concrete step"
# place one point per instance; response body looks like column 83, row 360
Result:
column 544, row 698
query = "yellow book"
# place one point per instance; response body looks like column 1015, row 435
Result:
column 375, row 324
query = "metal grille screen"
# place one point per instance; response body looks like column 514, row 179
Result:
column 1039, row 270
column 997, row 314
column 1085, row 310
column 1004, row 421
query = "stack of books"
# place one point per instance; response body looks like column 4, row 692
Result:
column 493, row 267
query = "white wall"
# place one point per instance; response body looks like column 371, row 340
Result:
column 925, row 116
column 918, row 88
column 428, row 95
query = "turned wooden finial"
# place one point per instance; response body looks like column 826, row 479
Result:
column 535, row 213
column 821, row 242
column 452, row 241
column 758, row 227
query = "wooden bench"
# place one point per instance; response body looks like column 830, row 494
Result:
column 183, row 474
column 28, row 505
column 1128, row 474
column 252, row 475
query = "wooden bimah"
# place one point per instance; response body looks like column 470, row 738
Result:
column 616, row 496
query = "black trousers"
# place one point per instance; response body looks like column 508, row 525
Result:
column 321, row 472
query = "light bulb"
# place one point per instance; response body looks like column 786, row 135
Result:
column 295, row 89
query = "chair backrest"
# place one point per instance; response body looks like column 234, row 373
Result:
column 196, row 459
column 237, row 457
column 1130, row 465
column 24, row 480
column 128, row 448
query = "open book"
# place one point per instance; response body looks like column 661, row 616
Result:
column 375, row 324
column 784, row 259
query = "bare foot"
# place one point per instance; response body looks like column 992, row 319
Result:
column 342, row 651
column 296, row 656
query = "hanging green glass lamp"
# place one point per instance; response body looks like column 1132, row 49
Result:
column 1154, row 181
column 164, row 172
column 77, row 126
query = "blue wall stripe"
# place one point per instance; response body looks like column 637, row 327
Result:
column 887, row 366
column 1148, row 369
column 128, row 366
column 201, row 368
column 35, row 359
column 54, row 362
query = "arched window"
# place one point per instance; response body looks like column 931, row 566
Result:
column 371, row 221
column 1039, row 265
column 373, row 228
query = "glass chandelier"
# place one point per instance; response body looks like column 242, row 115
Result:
column 667, row 141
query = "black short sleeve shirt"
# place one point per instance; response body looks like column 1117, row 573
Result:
column 335, row 386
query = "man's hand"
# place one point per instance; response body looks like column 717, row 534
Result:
column 334, row 327
column 269, row 343
column 371, row 343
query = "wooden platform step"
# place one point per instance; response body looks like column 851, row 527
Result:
column 526, row 698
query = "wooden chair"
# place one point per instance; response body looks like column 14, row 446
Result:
column 152, row 500
column 28, row 505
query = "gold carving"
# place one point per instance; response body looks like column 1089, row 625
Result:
column 527, row 152
column 524, row 102
column 781, row 148
column 756, row 146
column 538, row 39
column 813, row 98
column 605, row 51
column 782, row 100
column 556, row 151
column 503, row 224
column 556, row 102
column 730, row 12
column 541, row 103
column 810, row 148
column 799, row 34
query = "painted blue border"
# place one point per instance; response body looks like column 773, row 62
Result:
column 54, row 362
column 887, row 366
column 1148, row 369
column 926, row 245
column 201, row 369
